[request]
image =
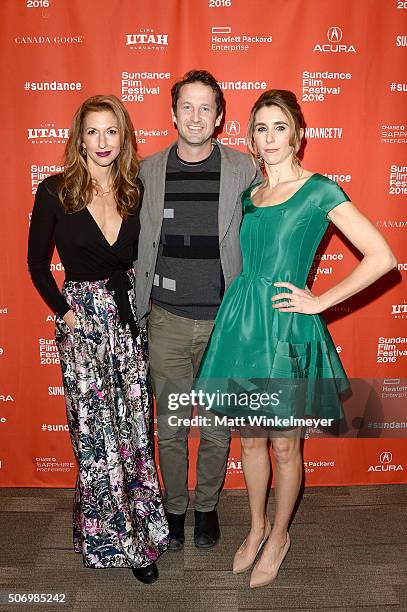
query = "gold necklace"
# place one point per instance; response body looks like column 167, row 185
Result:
column 103, row 192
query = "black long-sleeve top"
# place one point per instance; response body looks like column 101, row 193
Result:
column 83, row 249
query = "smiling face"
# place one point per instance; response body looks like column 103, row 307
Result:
column 101, row 138
column 195, row 116
column 273, row 135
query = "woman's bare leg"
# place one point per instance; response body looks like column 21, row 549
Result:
column 256, row 468
column 288, row 470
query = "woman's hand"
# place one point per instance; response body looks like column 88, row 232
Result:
column 299, row 300
column 69, row 319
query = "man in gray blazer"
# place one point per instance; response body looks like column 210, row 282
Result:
column 188, row 255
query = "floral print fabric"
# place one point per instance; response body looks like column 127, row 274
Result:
column 118, row 517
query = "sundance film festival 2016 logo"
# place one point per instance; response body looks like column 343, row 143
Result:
column 39, row 172
column 334, row 45
column 136, row 86
column 146, row 39
column 391, row 349
column 318, row 85
column 48, row 352
column 398, row 180
column 233, row 138
column 47, row 133
column 386, row 464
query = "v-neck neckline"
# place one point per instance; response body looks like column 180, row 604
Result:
column 100, row 231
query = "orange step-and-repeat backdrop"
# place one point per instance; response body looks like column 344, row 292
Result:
column 346, row 63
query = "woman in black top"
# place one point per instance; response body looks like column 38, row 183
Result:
column 91, row 213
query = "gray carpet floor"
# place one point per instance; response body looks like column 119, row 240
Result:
column 348, row 553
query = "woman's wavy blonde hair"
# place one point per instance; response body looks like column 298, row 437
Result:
column 76, row 187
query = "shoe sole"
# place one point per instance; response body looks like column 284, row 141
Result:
column 206, row 546
column 175, row 550
column 175, row 545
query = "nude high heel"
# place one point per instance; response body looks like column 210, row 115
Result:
column 261, row 578
column 242, row 564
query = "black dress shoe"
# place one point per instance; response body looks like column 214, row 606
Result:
column 146, row 574
column 176, row 527
column 206, row 532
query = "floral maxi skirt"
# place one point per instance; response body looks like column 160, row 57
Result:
column 118, row 517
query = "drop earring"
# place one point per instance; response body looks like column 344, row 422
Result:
column 260, row 161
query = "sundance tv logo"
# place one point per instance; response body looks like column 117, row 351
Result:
column 47, row 133
column 334, row 44
column 147, row 40
column 386, row 464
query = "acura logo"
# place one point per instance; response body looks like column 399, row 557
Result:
column 334, row 34
column 233, row 128
column 386, row 457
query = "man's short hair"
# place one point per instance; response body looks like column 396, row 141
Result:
column 199, row 76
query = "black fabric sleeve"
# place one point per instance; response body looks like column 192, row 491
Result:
column 40, row 249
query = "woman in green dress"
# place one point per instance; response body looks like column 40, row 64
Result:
column 269, row 336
